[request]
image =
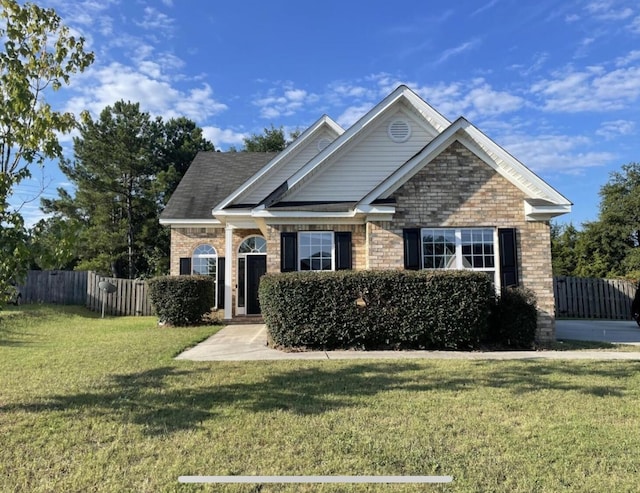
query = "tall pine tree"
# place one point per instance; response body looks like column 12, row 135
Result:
column 125, row 167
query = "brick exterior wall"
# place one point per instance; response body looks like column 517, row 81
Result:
column 456, row 189
column 185, row 240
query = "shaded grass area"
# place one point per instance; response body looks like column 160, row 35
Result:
column 100, row 405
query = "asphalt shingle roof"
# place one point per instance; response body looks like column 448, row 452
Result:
column 211, row 177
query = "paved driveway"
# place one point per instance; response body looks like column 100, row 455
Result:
column 626, row 331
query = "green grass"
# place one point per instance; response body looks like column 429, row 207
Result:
column 100, row 405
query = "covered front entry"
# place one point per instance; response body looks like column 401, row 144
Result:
column 252, row 265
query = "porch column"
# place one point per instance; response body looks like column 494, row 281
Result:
column 228, row 270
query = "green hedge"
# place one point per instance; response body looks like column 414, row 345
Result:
column 514, row 319
column 377, row 309
column 182, row 300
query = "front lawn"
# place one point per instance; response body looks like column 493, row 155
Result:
column 100, row 405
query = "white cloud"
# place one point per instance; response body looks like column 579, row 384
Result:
column 583, row 47
column 352, row 91
column 592, row 89
column 152, row 69
column 611, row 129
column 223, row 138
column 605, row 11
column 289, row 102
column 385, row 82
column 536, row 64
column 155, row 20
column 635, row 25
column 572, row 18
column 631, row 57
column 487, row 102
column 564, row 154
column 295, row 94
column 484, row 7
column 103, row 86
column 86, row 14
column 352, row 114
column 198, row 104
column 473, row 99
column 466, row 46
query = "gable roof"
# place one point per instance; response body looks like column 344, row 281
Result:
column 434, row 120
column 285, row 163
column 352, row 178
column 211, row 177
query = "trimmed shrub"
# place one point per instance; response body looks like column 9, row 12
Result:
column 514, row 319
column 182, row 300
column 376, row 309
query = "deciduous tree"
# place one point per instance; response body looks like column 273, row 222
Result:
column 272, row 140
column 39, row 55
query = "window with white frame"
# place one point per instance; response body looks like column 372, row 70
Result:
column 253, row 244
column 315, row 250
column 459, row 248
column 204, row 261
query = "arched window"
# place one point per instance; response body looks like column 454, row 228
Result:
column 205, row 261
column 253, row 244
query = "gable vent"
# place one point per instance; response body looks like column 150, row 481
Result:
column 322, row 143
column 399, row 131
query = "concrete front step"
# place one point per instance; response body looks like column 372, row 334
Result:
column 245, row 320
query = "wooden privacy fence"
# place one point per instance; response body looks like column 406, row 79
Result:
column 55, row 286
column 81, row 288
column 578, row 297
column 129, row 298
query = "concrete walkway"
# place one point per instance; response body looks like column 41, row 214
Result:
column 248, row 343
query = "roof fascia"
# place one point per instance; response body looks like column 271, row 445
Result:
column 490, row 147
column 288, row 151
column 357, row 214
column 401, row 92
column 185, row 223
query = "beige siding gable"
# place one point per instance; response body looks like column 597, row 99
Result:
column 367, row 161
column 289, row 166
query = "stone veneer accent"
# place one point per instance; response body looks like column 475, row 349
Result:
column 457, row 189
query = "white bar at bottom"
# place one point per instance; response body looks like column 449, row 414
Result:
column 315, row 479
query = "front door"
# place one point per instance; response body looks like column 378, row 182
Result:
column 256, row 268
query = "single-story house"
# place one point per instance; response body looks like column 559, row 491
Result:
column 403, row 188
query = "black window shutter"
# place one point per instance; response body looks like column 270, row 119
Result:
column 185, row 266
column 220, row 281
column 343, row 250
column 508, row 257
column 288, row 252
column 412, row 249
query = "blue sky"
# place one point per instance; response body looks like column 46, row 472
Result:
column 556, row 83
